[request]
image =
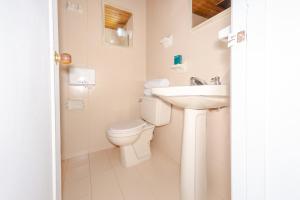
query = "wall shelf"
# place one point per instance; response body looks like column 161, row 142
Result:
column 180, row 67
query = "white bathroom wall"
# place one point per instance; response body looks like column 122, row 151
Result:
column 25, row 103
column 197, row 19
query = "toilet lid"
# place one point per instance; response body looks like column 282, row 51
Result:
column 127, row 128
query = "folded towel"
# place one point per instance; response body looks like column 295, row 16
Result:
column 148, row 92
column 157, row 83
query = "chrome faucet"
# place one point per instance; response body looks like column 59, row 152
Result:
column 216, row 80
column 197, row 81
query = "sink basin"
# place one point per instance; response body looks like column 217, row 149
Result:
column 194, row 97
column 195, row 100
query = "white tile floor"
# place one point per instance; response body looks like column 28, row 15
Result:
column 100, row 176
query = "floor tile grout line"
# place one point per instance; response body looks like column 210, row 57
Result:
column 90, row 175
column 140, row 174
column 154, row 194
column 63, row 177
column 115, row 174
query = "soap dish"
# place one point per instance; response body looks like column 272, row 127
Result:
column 179, row 67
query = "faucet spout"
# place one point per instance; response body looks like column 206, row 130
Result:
column 197, row 81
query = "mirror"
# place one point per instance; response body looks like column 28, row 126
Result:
column 202, row 10
column 118, row 26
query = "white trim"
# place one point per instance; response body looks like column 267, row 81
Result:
column 52, row 90
column 211, row 20
column 101, row 149
column 73, row 155
column 81, row 153
column 55, row 108
column 238, row 104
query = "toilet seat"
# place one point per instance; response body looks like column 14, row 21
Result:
column 126, row 128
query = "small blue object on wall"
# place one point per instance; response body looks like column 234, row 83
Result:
column 177, row 59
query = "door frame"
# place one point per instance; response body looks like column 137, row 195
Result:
column 55, row 101
column 240, row 141
column 249, row 101
column 238, row 103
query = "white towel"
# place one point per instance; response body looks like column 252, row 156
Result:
column 157, row 83
column 147, row 92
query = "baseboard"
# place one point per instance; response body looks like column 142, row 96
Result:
column 81, row 153
column 72, row 155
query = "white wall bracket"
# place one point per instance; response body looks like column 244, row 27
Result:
column 167, row 41
column 231, row 38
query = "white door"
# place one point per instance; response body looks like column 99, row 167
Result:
column 29, row 122
column 248, row 104
column 238, row 103
column 265, row 101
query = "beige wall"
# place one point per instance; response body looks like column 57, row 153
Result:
column 120, row 73
column 197, row 19
column 206, row 57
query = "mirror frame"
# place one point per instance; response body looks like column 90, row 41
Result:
column 114, row 4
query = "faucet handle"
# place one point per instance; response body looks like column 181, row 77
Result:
column 216, row 80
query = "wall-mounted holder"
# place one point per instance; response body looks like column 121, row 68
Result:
column 223, row 34
column 167, row 41
column 74, row 7
column 178, row 64
column 75, row 104
column 180, row 67
column 82, row 77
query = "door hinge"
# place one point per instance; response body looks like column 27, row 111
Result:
column 235, row 38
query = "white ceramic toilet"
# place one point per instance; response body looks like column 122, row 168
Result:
column 134, row 136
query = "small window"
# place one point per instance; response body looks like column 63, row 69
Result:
column 118, row 26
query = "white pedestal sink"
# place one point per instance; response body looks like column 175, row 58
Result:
column 195, row 100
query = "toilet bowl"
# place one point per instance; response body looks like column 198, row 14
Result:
column 134, row 136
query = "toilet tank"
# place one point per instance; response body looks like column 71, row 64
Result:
column 155, row 111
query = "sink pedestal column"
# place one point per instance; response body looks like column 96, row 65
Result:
column 193, row 157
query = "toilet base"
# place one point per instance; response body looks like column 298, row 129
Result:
column 129, row 157
column 137, row 152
